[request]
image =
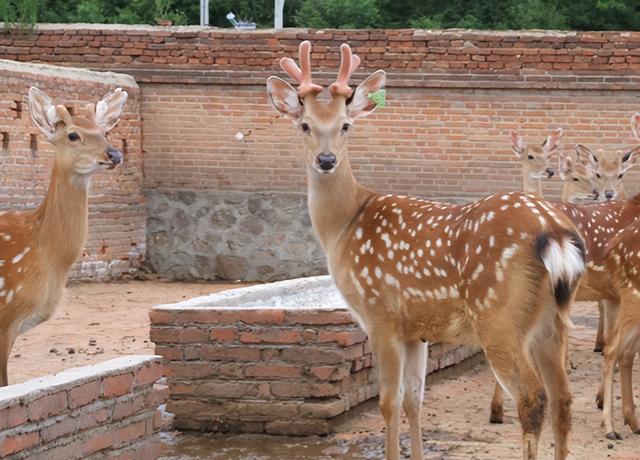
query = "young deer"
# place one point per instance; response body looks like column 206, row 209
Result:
column 496, row 273
column 535, row 159
column 597, row 223
column 38, row 247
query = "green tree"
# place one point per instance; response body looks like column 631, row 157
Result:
column 339, row 14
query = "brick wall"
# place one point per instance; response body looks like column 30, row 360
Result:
column 109, row 410
column 235, row 363
column 116, row 241
column 454, row 96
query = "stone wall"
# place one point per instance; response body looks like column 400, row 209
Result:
column 284, row 358
column 454, row 96
column 110, row 410
column 231, row 235
column 116, row 242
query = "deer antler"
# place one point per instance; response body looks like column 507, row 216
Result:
column 348, row 64
column 301, row 75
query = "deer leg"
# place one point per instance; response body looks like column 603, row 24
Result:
column 497, row 405
column 599, row 346
column 610, row 313
column 607, row 382
column 550, row 365
column 626, row 368
column 390, row 356
column 414, row 376
column 524, row 385
column 7, row 340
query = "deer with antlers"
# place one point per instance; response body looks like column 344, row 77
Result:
column 38, row 247
column 535, row 159
column 496, row 273
column 597, row 223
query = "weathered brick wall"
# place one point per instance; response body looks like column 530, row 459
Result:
column 263, row 369
column 116, row 242
column 454, row 96
column 110, row 410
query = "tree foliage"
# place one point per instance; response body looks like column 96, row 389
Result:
column 481, row 14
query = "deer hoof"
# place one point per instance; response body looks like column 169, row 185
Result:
column 613, row 436
column 497, row 416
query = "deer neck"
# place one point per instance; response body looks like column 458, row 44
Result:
column 335, row 200
column 61, row 220
column 531, row 185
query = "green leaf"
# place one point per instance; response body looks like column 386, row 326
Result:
column 379, row 97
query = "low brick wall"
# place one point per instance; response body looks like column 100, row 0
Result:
column 284, row 358
column 109, row 410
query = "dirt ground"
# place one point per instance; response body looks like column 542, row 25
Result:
column 99, row 321
column 96, row 322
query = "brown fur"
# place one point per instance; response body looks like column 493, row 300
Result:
column 415, row 270
column 38, row 247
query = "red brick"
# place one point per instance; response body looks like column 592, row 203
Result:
column 62, row 428
column 224, row 334
column 148, row 374
column 84, row 394
column 12, row 416
column 117, row 385
column 344, row 338
column 97, row 442
column 129, row 433
column 12, row 444
column 271, row 336
column 94, row 418
column 273, row 371
column 47, row 406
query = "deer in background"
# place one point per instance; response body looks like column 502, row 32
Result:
column 535, row 159
column 38, row 247
column 497, row 273
column 597, row 223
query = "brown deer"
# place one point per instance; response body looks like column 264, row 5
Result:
column 496, row 273
column 38, row 247
column 535, row 159
column 597, row 223
column 622, row 265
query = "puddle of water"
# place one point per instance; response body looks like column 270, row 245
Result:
column 198, row 446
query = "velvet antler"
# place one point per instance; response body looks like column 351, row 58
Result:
column 301, row 74
column 348, row 64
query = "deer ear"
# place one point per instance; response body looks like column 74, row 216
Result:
column 284, row 98
column 564, row 166
column 552, row 141
column 586, row 155
column 365, row 99
column 635, row 125
column 630, row 159
column 110, row 108
column 517, row 144
column 43, row 112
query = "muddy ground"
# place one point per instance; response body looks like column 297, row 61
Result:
column 99, row 321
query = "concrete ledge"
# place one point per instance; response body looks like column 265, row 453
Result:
column 284, row 358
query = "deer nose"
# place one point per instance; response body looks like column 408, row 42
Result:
column 326, row 161
column 550, row 172
column 609, row 194
column 115, row 156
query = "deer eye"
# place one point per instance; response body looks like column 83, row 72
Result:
column 620, row 176
column 73, row 137
column 530, row 157
column 305, row 127
column 575, row 179
column 598, row 175
column 346, row 127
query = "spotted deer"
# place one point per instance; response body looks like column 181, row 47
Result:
column 496, row 273
column 535, row 159
column 38, row 247
column 597, row 223
column 622, row 265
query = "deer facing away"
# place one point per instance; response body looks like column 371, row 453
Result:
column 495, row 273
column 38, row 247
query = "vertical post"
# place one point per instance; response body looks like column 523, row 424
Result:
column 204, row 12
column 277, row 16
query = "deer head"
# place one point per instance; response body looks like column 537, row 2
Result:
column 535, row 158
column 579, row 180
column 609, row 166
column 81, row 146
column 325, row 125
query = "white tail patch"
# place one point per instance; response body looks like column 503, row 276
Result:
column 563, row 261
